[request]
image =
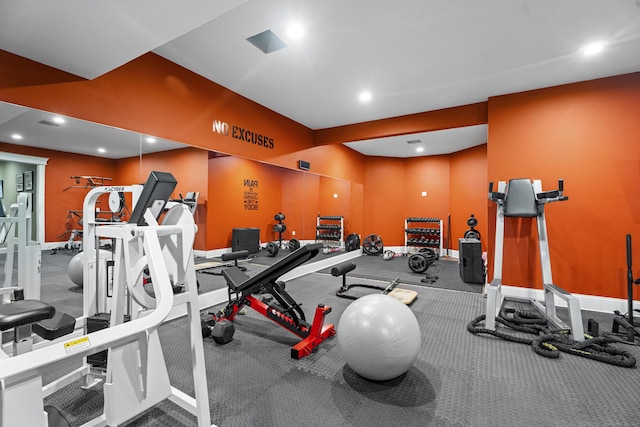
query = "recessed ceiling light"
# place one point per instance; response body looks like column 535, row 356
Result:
column 593, row 48
column 59, row 120
column 101, row 150
column 16, row 136
column 419, row 149
column 295, row 30
column 365, row 96
column 150, row 139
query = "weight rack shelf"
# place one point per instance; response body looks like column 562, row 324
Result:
column 330, row 229
column 423, row 232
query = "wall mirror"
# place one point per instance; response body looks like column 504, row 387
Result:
column 304, row 194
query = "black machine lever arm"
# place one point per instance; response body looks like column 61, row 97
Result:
column 495, row 196
column 553, row 195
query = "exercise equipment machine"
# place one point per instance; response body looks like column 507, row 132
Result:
column 190, row 200
column 523, row 198
column 372, row 245
column 136, row 378
column 404, row 295
column 626, row 322
column 15, row 234
column 285, row 311
column 89, row 181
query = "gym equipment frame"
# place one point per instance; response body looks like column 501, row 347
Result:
column 286, row 312
column 523, row 198
column 137, row 377
column 15, row 231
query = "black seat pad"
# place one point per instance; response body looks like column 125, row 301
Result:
column 24, row 312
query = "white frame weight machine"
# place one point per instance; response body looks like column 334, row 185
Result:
column 136, row 378
column 16, row 232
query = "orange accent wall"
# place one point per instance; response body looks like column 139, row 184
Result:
column 154, row 96
column 189, row 167
column 301, row 196
column 468, row 193
column 586, row 133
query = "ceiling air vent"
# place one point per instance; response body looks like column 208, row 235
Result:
column 267, row 41
column 48, row 123
column 414, row 141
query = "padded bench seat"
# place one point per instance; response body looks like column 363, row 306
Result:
column 235, row 277
column 24, row 312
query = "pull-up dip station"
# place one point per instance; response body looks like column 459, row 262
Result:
column 523, row 198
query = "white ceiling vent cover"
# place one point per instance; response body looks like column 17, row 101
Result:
column 267, row 41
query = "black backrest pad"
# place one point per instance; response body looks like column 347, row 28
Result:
column 520, row 200
column 286, row 264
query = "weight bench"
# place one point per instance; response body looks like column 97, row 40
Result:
column 285, row 311
column 229, row 256
column 404, row 295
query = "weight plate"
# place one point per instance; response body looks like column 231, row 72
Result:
column 472, row 234
column 372, row 245
column 294, row 244
column 272, row 249
column 352, row 242
column 418, row 263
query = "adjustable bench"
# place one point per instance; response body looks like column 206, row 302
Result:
column 285, row 311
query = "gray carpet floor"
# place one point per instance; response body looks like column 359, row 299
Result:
column 459, row 379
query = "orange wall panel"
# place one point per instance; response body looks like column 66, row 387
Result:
column 242, row 194
column 587, row 134
column 188, row 166
column 300, row 203
column 154, row 96
column 384, row 199
column 468, row 193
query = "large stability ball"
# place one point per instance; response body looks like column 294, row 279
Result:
column 379, row 337
column 74, row 269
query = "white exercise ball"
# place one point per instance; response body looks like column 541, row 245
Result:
column 379, row 337
column 75, row 270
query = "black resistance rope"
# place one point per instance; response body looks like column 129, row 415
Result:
column 550, row 342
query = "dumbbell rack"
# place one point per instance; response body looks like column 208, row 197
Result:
column 327, row 230
column 423, row 233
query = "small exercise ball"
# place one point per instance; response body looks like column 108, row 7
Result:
column 379, row 337
column 75, row 270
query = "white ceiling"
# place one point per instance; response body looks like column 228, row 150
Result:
column 413, row 55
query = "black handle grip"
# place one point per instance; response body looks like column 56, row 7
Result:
column 490, row 186
column 561, row 185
